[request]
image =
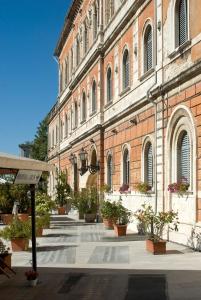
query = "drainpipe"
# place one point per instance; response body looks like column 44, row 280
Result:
column 150, row 100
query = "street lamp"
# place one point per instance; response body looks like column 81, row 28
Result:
column 83, row 155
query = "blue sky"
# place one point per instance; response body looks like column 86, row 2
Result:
column 29, row 31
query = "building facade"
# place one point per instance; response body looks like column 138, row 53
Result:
column 130, row 102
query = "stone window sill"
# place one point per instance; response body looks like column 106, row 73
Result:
column 179, row 50
column 127, row 89
column 147, row 74
column 108, row 104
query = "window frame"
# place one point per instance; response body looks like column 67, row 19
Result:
column 146, row 67
column 126, row 166
column 94, row 97
column 109, row 86
column 125, row 78
column 177, row 42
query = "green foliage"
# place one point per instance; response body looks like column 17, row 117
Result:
column 108, row 210
column 86, row 201
column 42, row 221
column 11, row 193
column 44, row 203
column 39, row 146
column 155, row 223
column 123, row 215
column 63, row 190
column 143, row 187
column 17, row 229
column 105, row 188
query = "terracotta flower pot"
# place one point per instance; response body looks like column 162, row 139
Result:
column 108, row 223
column 19, row 244
column 120, row 230
column 23, row 217
column 7, row 259
column 39, row 232
column 156, row 247
column 61, row 210
column 7, row 218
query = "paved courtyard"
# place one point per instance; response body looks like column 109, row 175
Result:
column 73, row 243
column 79, row 261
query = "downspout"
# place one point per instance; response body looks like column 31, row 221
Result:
column 150, row 100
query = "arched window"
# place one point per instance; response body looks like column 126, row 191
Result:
column 86, row 41
column 181, row 22
column 148, row 56
column 67, row 71
column 126, row 69
column 109, row 170
column 94, row 96
column 66, row 125
column 84, row 107
column 109, row 9
column 109, row 85
column 183, row 157
column 71, row 119
column 77, row 51
column 95, row 22
column 60, row 79
column 71, row 61
column 57, row 135
column 61, row 130
column 148, row 164
column 76, row 115
column 126, row 167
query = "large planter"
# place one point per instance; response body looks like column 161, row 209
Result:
column 156, row 247
column 61, row 210
column 7, row 260
column 120, row 230
column 19, row 244
column 23, row 217
column 7, row 218
column 108, row 223
column 89, row 218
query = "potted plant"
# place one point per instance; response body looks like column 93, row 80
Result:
column 108, row 212
column 155, row 225
column 4, row 254
column 44, row 203
column 32, row 277
column 63, row 191
column 42, row 222
column 181, row 187
column 19, row 233
column 124, row 188
column 141, row 216
column 90, row 204
column 143, row 187
column 6, row 203
column 122, row 216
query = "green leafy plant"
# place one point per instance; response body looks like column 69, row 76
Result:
column 108, row 210
column 105, row 188
column 143, row 187
column 42, row 221
column 44, row 203
column 155, row 223
column 180, row 187
column 17, row 229
column 122, row 214
column 63, row 190
column 86, row 201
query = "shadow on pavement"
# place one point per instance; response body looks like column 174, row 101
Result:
column 102, row 284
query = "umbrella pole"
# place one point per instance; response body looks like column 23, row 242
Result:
column 33, row 225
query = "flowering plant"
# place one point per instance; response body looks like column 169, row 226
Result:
column 124, row 188
column 31, row 274
column 180, row 187
column 155, row 223
column 143, row 187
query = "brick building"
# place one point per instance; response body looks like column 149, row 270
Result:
column 130, row 99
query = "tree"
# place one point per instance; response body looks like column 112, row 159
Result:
column 39, row 147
